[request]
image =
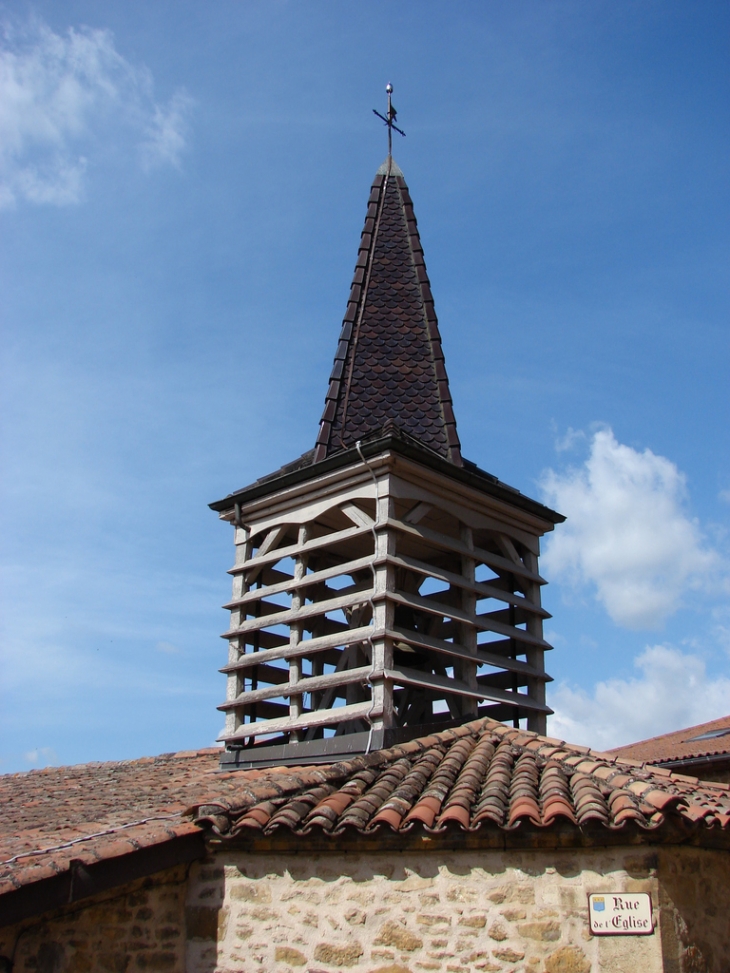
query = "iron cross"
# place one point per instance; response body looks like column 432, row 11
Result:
column 390, row 119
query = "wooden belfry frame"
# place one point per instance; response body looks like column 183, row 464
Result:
column 381, row 595
column 382, row 585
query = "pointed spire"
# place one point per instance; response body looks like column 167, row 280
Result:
column 389, row 367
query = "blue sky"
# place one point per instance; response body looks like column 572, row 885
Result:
column 182, row 192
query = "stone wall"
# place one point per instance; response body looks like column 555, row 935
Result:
column 378, row 912
column 139, row 927
column 695, row 909
column 457, row 912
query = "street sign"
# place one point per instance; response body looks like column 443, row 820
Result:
column 620, row 914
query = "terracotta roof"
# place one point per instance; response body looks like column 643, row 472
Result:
column 704, row 740
column 389, row 366
column 483, row 775
column 96, row 811
column 480, row 775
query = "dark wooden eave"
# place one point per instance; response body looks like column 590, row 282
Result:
column 468, row 473
column 84, row 879
column 715, row 766
column 560, row 836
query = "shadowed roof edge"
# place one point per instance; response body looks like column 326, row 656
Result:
column 469, row 473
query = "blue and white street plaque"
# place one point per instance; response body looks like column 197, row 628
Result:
column 620, row 914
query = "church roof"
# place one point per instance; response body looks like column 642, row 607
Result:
column 67, row 832
column 389, row 366
column 483, row 775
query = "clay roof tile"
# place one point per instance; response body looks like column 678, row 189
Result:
column 479, row 775
column 707, row 739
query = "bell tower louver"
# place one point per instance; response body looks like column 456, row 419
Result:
column 383, row 585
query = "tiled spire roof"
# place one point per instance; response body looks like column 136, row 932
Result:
column 389, row 366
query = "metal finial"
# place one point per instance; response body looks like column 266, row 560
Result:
column 390, row 119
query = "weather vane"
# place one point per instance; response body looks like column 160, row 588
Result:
column 390, row 119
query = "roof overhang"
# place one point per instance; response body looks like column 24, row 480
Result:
column 469, row 474
column 84, row 879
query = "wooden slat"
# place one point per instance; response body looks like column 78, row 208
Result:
column 348, row 567
column 447, row 597
column 305, row 647
column 502, row 680
column 298, row 614
column 509, row 549
column 272, row 576
column 268, row 608
column 356, row 515
column 269, row 543
column 487, row 624
column 330, row 717
column 326, row 540
column 268, row 710
column 482, row 588
column 266, row 640
column 328, row 625
column 271, row 674
column 458, row 651
column 260, row 594
column 446, row 543
column 344, row 677
column 477, row 621
column 329, row 657
column 514, row 615
column 418, row 512
column 429, row 680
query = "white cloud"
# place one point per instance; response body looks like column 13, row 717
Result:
column 61, row 96
column 166, row 133
column 571, row 439
column 672, row 692
column 724, row 495
column 41, row 757
column 721, row 627
column 59, row 182
column 627, row 532
column 168, row 648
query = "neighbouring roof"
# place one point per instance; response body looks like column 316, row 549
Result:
column 481, row 777
column 96, row 811
column 389, row 365
column 704, row 740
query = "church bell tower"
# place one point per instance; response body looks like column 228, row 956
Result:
column 383, row 586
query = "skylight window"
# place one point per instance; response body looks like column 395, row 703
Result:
column 710, row 735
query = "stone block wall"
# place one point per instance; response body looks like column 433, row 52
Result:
column 694, row 898
column 140, row 927
column 386, row 912
column 456, row 912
